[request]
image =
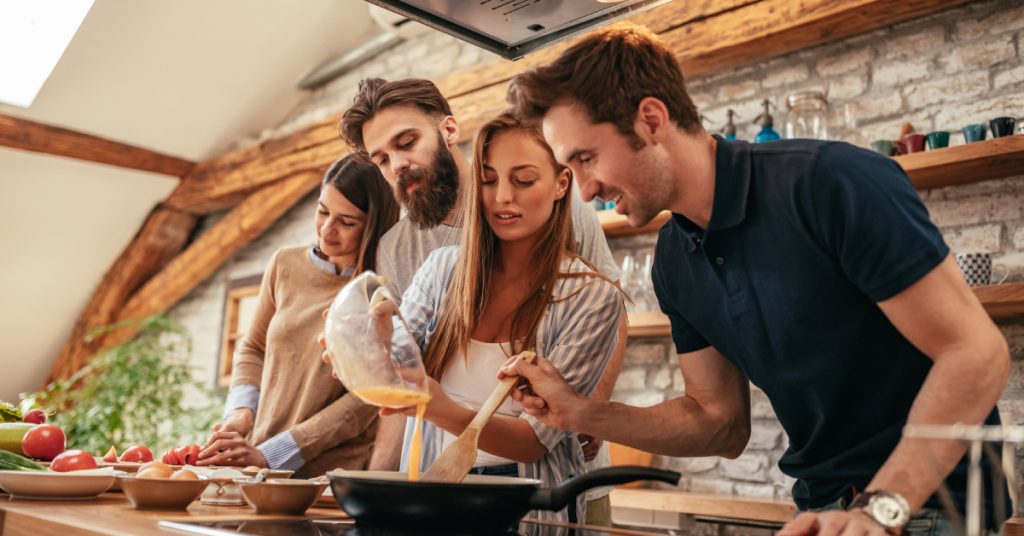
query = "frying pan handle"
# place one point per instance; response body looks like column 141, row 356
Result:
column 557, row 498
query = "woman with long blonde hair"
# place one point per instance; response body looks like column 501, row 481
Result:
column 514, row 284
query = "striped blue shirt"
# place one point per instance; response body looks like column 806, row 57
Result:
column 577, row 335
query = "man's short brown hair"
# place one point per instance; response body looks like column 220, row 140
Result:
column 376, row 94
column 608, row 73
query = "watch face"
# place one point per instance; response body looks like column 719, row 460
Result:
column 888, row 511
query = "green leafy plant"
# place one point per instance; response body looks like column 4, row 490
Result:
column 132, row 393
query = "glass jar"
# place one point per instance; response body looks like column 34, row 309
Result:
column 807, row 116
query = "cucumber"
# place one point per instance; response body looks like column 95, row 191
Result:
column 11, row 434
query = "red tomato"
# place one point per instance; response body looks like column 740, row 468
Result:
column 182, row 455
column 170, row 457
column 36, row 416
column 43, row 442
column 73, row 460
column 137, row 453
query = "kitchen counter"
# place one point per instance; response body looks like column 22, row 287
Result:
column 112, row 514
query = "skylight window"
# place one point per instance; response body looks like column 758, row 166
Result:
column 33, row 36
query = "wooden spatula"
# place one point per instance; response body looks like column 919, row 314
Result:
column 457, row 459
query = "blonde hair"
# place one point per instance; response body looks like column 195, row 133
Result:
column 470, row 287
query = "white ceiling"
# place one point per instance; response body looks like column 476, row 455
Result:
column 186, row 78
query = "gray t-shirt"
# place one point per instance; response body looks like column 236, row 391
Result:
column 404, row 248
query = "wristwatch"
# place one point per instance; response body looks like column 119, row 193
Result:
column 889, row 510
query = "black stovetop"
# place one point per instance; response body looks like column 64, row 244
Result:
column 267, row 527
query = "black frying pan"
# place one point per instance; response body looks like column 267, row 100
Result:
column 388, row 499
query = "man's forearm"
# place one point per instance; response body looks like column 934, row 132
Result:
column 606, row 385
column 678, row 427
column 387, row 448
column 959, row 389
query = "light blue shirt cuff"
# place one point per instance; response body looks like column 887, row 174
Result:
column 281, row 452
column 242, row 396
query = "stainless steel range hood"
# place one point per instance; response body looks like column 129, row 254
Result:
column 514, row 28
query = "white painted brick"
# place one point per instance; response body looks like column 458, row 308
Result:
column 1009, row 77
column 978, row 239
column 710, row 486
column 760, row 407
column 692, row 466
column 786, row 76
column 641, row 399
column 980, row 55
column 874, row 107
column 1004, row 20
column 679, row 386
column 645, row 353
column 1018, row 238
column 662, row 378
column 974, row 211
column 978, row 111
column 764, row 435
column 748, row 467
column 847, row 87
column 755, row 491
column 945, row 90
column 739, row 90
column 925, row 43
column 844, row 62
column 632, row 378
column 896, row 73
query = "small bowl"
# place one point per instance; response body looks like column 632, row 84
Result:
column 161, row 493
column 280, row 496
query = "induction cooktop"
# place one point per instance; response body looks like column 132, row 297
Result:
column 347, row 527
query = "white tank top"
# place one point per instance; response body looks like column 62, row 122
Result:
column 470, row 381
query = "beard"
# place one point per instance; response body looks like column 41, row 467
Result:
column 430, row 203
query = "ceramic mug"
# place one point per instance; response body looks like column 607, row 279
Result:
column 938, row 139
column 977, row 269
column 913, row 143
column 883, row 147
column 1002, row 126
column 973, row 133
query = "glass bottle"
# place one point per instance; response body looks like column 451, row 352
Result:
column 765, row 120
column 807, row 116
column 729, row 130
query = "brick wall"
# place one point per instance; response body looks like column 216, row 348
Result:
column 940, row 72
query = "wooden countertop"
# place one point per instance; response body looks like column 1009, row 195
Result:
column 112, row 514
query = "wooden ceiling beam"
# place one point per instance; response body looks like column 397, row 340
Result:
column 708, row 35
column 41, row 138
column 213, row 247
column 161, row 237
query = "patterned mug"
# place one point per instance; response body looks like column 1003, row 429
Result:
column 977, row 269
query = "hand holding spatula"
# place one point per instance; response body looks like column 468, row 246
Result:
column 457, row 459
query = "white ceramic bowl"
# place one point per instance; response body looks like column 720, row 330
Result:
column 53, row 485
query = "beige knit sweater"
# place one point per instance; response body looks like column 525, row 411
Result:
column 280, row 356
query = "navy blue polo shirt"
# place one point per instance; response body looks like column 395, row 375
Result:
column 805, row 238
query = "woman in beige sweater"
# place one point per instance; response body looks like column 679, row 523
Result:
column 284, row 411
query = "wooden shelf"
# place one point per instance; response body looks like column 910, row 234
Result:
column 648, row 324
column 1000, row 301
column 964, row 164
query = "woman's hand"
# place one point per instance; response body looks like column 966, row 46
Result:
column 239, row 420
column 230, row 448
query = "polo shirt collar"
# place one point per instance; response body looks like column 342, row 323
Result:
column 732, row 188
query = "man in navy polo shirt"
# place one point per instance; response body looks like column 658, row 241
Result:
column 808, row 268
